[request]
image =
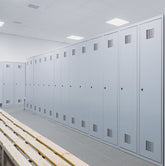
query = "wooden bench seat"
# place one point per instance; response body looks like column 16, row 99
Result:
column 38, row 149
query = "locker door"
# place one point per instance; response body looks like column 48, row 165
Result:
column 19, row 83
column 95, row 88
column 150, row 89
column 8, row 84
column 73, row 102
column 128, row 89
column 35, row 88
column 29, row 84
column 110, row 86
column 83, row 99
column 1, row 83
column 57, row 87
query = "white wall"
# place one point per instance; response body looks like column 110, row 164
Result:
column 15, row 48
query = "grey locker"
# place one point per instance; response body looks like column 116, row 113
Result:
column 8, row 84
column 82, row 86
column 29, row 84
column 57, row 87
column 110, row 86
column 19, row 83
column 95, row 88
column 128, row 88
column 151, row 89
column 65, row 108
column 1, row 84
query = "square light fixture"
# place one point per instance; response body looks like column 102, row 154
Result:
column 117, row 22
column 1, row 23
column 75, row 37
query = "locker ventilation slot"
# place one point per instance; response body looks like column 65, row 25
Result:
column 7, row 101
column 83, row 49
column 44, row 111
column 73, row 120
column 50, row 113
column 127, row 39
column 110, row 43
column 19, row 100
column 73, row 52
column 149, row 33
column 45, row 59
column 7, row 66
column 127, row 138
column 95, row 47
column 19, row 66
column 35, row 107
column 109, row 132
column 95, row 128
column 64, row 117
column 57, row 56
column 149, row 146
column 64, row 54
column 39, row 109
column 82, row 123
column 57, row 115
column 30, row 106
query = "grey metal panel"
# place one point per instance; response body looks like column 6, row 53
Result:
column 19, row 83
column 8, row 84
column 1, row 83
column 150, row 89
column 128, row 88
column 110, row 86
column 95, row 90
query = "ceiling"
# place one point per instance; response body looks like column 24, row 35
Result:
column 54, row 20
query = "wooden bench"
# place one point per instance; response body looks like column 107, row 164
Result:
column 27, row 147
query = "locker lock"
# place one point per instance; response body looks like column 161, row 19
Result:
column 105, row 87
column 62, row 86
column 80, row 86
column 91, row 87
column 141, row 89
column 70, row 86
column 121, row 88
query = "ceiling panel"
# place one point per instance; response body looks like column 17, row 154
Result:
column 57, row 19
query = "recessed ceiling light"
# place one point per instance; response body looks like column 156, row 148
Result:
column 1, row 23
column 33, row 6
column 75, row 37
column 117, row 22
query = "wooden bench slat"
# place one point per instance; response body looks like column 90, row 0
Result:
column 33, row 155
column 17, row 157
column 47, row 153
column 73, row 160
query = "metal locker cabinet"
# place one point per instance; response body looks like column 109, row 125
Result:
column 110, row 86
column 36, row 84
column 95, row 88
column 151, row 89
column 74, row 112
column 29, row 84
column 1, row 83
column 57, row 86
column 82, row 87
column 128, row 88
column 8, row 84
column 63, row 86
column 19, row 83
column 49, row 85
